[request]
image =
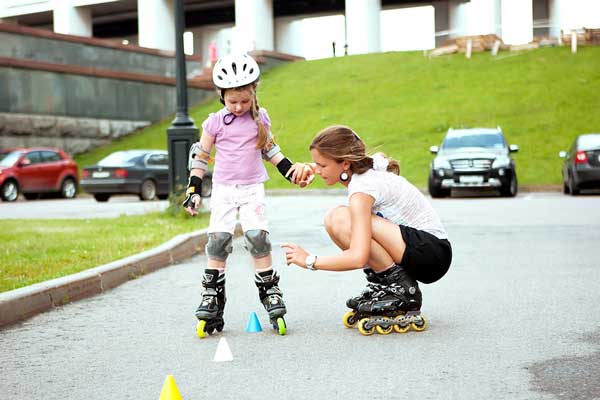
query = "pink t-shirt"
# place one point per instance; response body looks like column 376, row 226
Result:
column 237, row 160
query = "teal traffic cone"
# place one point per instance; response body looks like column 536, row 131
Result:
column 253, row 324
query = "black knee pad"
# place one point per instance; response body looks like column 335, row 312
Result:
column 219, row 245
column 257, row 242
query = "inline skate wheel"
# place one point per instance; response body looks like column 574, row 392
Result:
column 279, row 326
column 200, row 329
column 363, row 330
column 349, row 320
column 419, row 326
column 401, row 329
column 384, row 331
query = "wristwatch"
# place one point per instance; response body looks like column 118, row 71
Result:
column 310, row 262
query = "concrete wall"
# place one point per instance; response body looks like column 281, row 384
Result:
column 54, row 50
column 43, row 92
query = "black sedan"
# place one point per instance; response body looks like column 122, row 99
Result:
column 141, row 172
column 581, row 167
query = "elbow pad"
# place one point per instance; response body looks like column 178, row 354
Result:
column 271, row 149
column 198, row 157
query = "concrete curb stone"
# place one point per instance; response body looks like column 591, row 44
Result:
column 20, row 304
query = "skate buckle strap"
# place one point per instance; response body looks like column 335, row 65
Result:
column 209, row 292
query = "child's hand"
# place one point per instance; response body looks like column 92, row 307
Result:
column 295, row 254
column 301, row 174
column 191, row 204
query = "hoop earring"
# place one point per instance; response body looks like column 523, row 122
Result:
column 344, row 176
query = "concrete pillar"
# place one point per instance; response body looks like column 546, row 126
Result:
column 477, row 17
column 71, row 20
column 156, row 24
column 555, row 11
column 289, row 35
column 517, row 21
column 254, row 25
column 362, row 26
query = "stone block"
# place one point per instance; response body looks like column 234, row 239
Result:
column 88, row 128
column 18, row 125
column 67, row 127
column 104, row 128
column 44, row 126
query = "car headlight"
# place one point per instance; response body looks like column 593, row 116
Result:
column 501, row 162
column 441, row 166
column 441, row 163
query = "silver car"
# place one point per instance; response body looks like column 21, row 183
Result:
column 473, row 158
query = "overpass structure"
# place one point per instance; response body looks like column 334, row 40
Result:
column 280, row 25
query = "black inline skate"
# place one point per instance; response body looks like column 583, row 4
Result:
column 351, row 318
column 271, row 297
column 397, row 306
column 210, row 310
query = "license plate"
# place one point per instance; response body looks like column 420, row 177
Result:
column 100, row 174
column 472, row 179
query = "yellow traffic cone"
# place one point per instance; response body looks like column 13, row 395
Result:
column 169, row 390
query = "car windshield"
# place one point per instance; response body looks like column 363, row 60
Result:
column 455, row 140
column 122, row 158
column 589, row 142
column 7, row 160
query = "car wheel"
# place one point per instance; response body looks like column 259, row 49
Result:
column 68, row 189
column 436, row 191
column 102, row 197
column 573, row 189
column 148, row 190
column 511, row 188
column 10, row 191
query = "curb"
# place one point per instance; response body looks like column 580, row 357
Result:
column 20, row 304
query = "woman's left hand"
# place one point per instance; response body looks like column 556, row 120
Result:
column 295, row 254
column 301, row 174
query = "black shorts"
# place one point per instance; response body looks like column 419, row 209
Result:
column 426, row 258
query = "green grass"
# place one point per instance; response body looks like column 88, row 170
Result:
column 35, row 251
column 402, row 103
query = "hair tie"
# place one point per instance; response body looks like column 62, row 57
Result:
column 380, row 163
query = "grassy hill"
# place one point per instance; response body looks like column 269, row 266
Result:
column 402, row 103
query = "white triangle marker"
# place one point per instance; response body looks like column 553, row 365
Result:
column 223, row 352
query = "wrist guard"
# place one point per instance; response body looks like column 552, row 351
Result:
column 194, row 189
column 284, row 166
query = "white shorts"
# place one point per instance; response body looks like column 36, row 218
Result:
column 227, row 201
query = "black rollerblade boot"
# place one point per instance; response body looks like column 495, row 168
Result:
column 210, row 310
column 351, row 318
column 397, row 306
column 271, row 297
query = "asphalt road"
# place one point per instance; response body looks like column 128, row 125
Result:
column 516, row 317
column 80, row 207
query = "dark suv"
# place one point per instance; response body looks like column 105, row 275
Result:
column 473, row 158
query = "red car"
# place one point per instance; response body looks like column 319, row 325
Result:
column 36, row 170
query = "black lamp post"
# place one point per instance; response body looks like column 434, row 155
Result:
column 183, row 132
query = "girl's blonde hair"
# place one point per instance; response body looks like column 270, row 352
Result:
column 341, row 143
column 263, row 132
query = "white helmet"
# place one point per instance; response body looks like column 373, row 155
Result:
column 235, row 70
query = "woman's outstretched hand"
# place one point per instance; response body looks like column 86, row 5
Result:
column 301, row 174
column 295, row 254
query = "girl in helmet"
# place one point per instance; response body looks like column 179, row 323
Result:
column 388, row 226
column 241, row 134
